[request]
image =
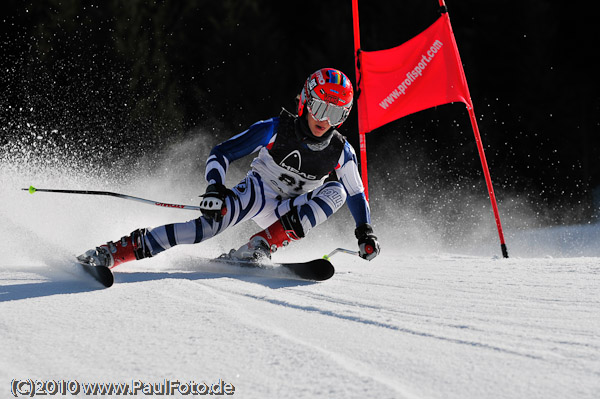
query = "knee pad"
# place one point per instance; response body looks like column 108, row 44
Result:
column 334, row 192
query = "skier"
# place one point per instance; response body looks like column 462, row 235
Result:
column 285, row 191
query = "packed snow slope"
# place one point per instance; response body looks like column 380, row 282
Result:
column 422, row 320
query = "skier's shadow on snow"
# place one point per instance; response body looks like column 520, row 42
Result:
column 256, row 278
column 61, row 285
column 18, row 292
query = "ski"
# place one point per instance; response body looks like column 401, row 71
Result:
column 312, row 270
column 101, row 273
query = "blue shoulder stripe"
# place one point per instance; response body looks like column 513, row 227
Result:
column 247, row 142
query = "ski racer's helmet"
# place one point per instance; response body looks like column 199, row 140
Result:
column 327, row 94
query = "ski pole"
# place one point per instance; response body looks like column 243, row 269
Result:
column 369, row 249
column 33, row 190
column 341, row 250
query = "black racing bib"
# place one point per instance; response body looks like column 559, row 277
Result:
column 289, row 152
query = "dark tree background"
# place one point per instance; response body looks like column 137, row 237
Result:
column 129, row 76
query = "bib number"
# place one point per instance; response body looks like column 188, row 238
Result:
column 291, row 182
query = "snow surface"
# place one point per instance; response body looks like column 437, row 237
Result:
column 420, row 321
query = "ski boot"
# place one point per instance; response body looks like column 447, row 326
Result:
column 278, row 235
column 256, row 250
column 111, row 254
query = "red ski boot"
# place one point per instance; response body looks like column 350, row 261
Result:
column 111, row 254
column 264, row 243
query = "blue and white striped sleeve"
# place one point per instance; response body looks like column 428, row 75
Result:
column 348, row 175
column 245, row 143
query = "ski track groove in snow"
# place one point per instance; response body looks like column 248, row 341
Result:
column 322, row 310
column 361, row 374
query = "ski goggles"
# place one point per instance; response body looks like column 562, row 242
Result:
column 322, row 110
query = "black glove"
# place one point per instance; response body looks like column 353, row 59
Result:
column 367, row 242
column 213, row 202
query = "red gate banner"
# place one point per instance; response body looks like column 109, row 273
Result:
column 424, row 72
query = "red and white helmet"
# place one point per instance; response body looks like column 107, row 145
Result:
column 328, row 95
